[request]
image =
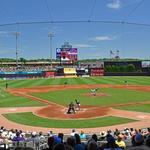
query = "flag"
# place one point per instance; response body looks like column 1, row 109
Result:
column 111, row 52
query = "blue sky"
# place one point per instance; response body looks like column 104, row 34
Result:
column 93, row 40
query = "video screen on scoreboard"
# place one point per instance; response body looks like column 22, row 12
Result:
column 145, row 64
column 67, row 54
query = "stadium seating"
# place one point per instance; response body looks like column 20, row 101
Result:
column 124, row 139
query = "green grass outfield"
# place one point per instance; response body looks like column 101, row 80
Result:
column 140, row 108
column 88, row 80
column 115, row 96
column 32, row 120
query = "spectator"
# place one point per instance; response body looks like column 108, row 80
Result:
column 71, row 141
column 120, row 142
column 139, row 148
column 73, row 132
column 61, row 136
column 148, row 132
column 41, row 137
column 132, row 131
column 92, row 145
column 127, row 135
column 82, row 135
column 94, row 137
column 50, row 133
column 1, row 139
column 57, row 139
column 102, row 135
column 117, row 132
column 59, row 146
column 1, row 129
column 138, row 139
column 79, row 145
column 68, row 147
column 36, row 140
column 12, row 134
column 111, row 143
column 139, row 143
column 148, row 141
column 50, row 142
column 18, row 137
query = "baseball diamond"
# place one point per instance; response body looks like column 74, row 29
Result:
column 56, row 97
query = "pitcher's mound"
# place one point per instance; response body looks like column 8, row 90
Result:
column 95, row 95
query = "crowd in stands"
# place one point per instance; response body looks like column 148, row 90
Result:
column 126, row 139
column 25, row 68
column 29, row 68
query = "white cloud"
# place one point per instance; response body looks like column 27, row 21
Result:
column 103, row 38
column 6, row 51
column 7, row 33
column 82, row 45
column 115, row 4
column 3, row 32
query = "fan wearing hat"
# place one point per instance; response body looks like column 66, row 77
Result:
column 102, row 135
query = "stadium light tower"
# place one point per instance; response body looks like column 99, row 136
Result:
column 16, row 34
column 50, row 35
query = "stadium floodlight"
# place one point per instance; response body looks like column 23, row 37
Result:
column 51, row 35
column 16, row 34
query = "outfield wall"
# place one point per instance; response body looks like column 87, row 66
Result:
column 127, row 74
column 21, row 74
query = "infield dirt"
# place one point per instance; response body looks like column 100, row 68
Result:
column 50, row 111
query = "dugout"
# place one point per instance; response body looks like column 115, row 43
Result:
column 82, row 71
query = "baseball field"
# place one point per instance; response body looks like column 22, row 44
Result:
column 43, row 103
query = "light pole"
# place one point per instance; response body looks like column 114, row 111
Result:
column 16, row 34
column 50, row 35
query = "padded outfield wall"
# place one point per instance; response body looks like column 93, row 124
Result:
column 21, row 74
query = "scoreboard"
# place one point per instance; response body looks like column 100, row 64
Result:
column 67, row 55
